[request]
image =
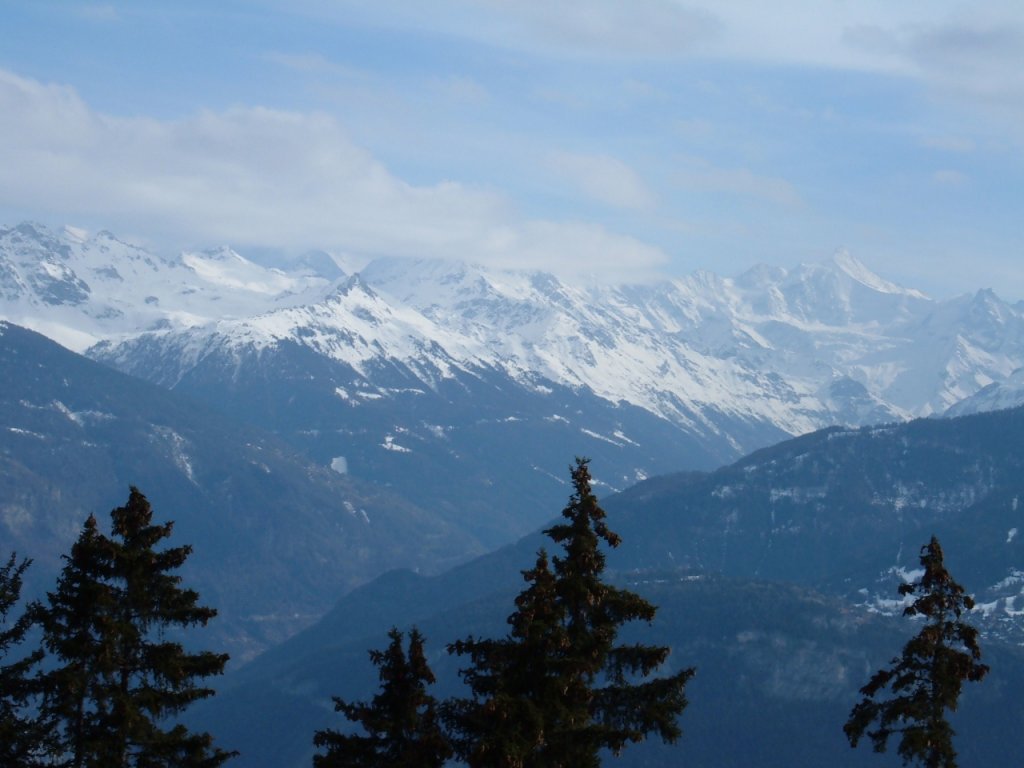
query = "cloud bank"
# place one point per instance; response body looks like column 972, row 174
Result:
column 969, row 54
column 257, row 176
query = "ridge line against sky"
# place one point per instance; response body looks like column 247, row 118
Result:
column 607, row 139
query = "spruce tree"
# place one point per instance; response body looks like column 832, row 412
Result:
column 119, row 681
column 558, row 688
column 22, row 737
column 515, row 681
column 401, row 724
column 927, row 678
column 77, row 633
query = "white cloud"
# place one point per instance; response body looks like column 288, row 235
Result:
column 97, row 12
column 610, row 27
column 459, row 89
column 958, row 144
column 701, row 175
column 572, row 27
column 605, row 179
column 582, row 249
column 970, row 53
column 309, row 63
column 948, row 178
column 981, row 62
column 974, row 56
column 868, row 34
column 255, row 176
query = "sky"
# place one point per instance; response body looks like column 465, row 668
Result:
column 599, row 140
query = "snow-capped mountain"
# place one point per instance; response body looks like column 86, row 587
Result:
column 820, row 344
column 80, row 289
column 998, row 395
column 407, row 361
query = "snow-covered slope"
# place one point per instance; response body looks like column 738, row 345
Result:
column 797, row 349
column 80, row 289
column 819, row 344
column 998, row 395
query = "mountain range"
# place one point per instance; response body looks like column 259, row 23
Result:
column 322, row 432
column 777, row 576
column 412, row 374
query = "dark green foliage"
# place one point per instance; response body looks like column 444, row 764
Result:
column 926, row 680
column 118, row 679
column 401, row 722
column 21, row 735
column 516, row 681
column 77, row 632
column 558, row 690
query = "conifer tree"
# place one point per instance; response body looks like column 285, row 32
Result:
column 927, row 678
column 22, row 736
column 76, row 631
column 515, row 681
column 559, row 689
column 401, row 722
column 119, row 681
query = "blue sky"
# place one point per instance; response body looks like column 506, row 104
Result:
column 614, row 140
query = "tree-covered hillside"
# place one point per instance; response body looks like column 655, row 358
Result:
column 771, row 576
column 278, row 538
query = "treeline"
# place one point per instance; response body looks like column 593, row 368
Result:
column 105, row 684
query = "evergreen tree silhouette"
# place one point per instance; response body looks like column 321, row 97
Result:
column 119, row 681
column 22, row 735
column 401, row 724
column 927, row 678
column 558, row 688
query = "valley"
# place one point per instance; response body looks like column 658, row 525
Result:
column 348, row 452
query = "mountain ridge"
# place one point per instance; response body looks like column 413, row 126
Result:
column 700, row 340
column 412, row 371
column 276, row 538
column 776, row 575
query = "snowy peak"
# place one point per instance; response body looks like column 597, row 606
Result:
column 229, row 270
column 494, row 310
column 853, row 268
column 80, row 289
column 34, row 268
column 995, row 397
column 352, row 324
column 318, row 264
column 223, row 253
column 761, row 277
column 74, row 234
column 350, row 285
column 842, row 291
column 425, row 283
column 988, row 311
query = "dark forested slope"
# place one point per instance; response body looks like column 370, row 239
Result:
column 276, row 538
